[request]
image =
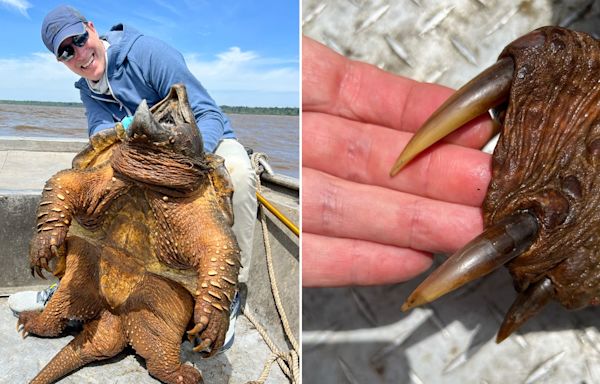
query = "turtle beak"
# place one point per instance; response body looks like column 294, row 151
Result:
column 144, row 125
column 488, row 90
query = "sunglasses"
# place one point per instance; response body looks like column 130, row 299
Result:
column 67, row 52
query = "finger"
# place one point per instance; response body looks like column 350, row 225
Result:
column 332, row 261
column 336, row 85
column 340, row 208
column 365, row 153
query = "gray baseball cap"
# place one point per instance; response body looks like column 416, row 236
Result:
column 61, row 23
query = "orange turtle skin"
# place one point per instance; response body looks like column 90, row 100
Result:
column 140, row 233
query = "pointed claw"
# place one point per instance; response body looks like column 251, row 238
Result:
column 528, row 304
column 191, row 337
column 39, row 272
column 44, row 264
column 203, row 346
column 54, row 250
column 496, row 246
column 485, row 91
column 197, row 328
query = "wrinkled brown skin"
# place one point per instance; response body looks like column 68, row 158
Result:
column 142, row 229
column 547, row 161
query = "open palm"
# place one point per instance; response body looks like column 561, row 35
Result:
column 361, row 226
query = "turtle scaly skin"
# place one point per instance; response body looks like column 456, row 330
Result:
column 140, row 230
column 542, row 207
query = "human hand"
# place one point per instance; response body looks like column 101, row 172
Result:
column 361, row 226
column 126, row 122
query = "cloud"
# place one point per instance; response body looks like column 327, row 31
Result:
column 20, row 5
column 36, row 77
column 249, row 74
column 235, row 55
column 233, row 77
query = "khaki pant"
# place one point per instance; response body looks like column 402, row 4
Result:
column 244, row 201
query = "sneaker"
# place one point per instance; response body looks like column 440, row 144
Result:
column 233, row 314
column 30, row 300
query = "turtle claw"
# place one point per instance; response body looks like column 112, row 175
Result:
column 197, row 329
column 39, row 272
column 488, row 90
column 528, row 304
column 21, row 328
column 496, row 246
column 203, row 346
column 209, row 330
column 54, row 250
column 44, row 264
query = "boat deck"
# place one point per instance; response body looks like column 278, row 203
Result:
column 26, row 164
column 24, row 358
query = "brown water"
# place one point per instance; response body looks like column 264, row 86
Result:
column 277, row 136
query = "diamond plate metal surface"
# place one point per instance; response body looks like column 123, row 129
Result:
column 359, row 335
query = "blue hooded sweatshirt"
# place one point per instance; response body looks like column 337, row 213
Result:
column 141, row 67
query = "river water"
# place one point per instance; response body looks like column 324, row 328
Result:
column 277, row 136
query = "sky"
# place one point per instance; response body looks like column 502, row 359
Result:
column 245, row 53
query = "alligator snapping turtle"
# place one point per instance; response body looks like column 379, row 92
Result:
column 542, row 208
column 140, row 231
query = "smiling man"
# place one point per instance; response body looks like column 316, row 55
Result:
column 119, row 70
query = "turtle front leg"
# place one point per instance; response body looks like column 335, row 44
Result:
column 54, row 216
column 67, row 195
column 217, row 284
column 213, row 253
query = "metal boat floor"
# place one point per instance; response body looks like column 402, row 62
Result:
column 21, row 359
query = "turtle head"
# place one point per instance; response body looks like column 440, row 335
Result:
column 169, row 125
column 162, row 147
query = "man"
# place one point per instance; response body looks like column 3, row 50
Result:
column 118, row 71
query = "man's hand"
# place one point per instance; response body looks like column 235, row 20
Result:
column 126, row 122
column 361, row 226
